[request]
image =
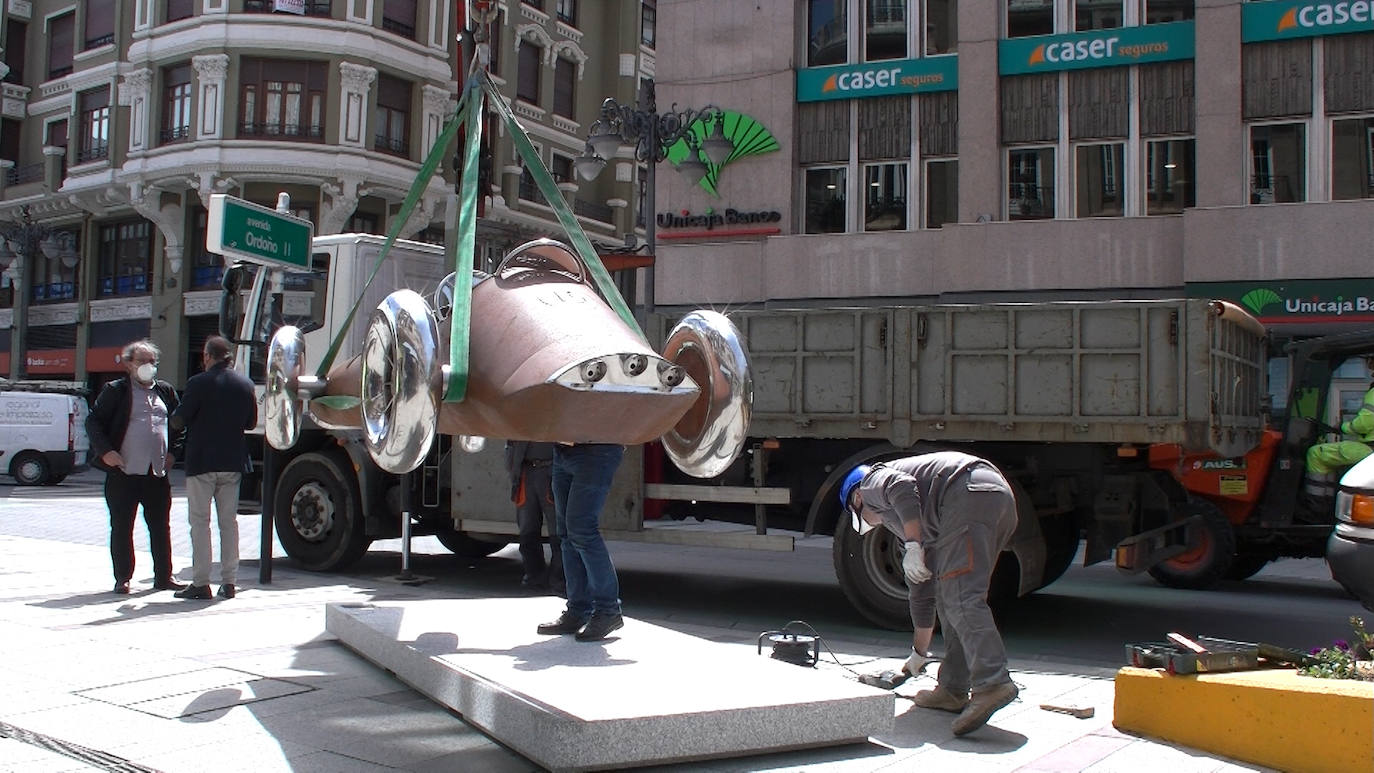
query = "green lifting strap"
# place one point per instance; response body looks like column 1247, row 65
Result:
column 554, row 198
column 466, row 243
column 422, row 178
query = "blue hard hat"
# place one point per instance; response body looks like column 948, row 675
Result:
column 851, row 482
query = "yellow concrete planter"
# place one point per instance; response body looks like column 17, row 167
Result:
column 1274, row 718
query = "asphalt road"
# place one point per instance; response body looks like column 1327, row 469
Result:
column 1081, row 622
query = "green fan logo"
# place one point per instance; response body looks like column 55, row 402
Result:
column 748, row 136
column 1256, row 300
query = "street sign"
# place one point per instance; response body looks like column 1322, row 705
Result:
column 247, row 231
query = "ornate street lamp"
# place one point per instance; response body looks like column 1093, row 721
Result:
column 20, row 240
column 652, row 134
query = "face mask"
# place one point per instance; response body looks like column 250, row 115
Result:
column 146, row 372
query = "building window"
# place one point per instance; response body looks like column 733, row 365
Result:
column 648, row 21
column 529, row 189
column 942, row 192
column 176, row 104
column 1030, row 183
column 61, row 42
column 179, row 9
column 55, row 273
column 561, row 168
column 941, row 26
column 1352, row 158
column 539, row 4
column 564, row 88
column 95, row 125
column 282, row 99
column 1096, row 14
column 1163, row 11
column 1098, row 181
column 527, row 85
column 567, row 12
column 16, row 35
column 1030, row 17
column 362, row 224
column 494, row 40
column 825, row 200
column 393, row 116
column 1277, row 170
column 827, row 33
column 1171, row 168
column 100, row 24
column 885, row 197
column 884, row 30
column 124, row 257
column 207, row 268
column 398, row 17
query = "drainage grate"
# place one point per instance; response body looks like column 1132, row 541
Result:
column 96, row 759
column 194, row 692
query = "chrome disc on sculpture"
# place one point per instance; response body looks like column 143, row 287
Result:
column 399, row 374
column 282, row 405
column 712, row 433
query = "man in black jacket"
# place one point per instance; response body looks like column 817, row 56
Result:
column 132, row 443
column 217, row 407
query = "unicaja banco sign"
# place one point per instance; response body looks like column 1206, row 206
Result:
column 1297, row 300
column 1283, row 19
column 878, row 79
column 1097, row 48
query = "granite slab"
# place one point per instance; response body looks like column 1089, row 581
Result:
column 645, row 695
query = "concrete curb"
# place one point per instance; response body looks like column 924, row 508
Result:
column 1274, row 718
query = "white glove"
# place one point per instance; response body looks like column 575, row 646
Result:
column 915, row 663
column 914, row 564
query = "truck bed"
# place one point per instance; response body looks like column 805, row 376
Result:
column 1139, row 372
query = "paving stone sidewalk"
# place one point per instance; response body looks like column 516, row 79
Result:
column 94, row 681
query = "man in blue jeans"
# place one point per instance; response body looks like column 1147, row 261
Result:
column 582, row 475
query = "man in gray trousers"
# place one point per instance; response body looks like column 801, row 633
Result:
column 957, row 512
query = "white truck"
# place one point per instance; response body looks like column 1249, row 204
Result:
column 42, row 431
column 1065, row 396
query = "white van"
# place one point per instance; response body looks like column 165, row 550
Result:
column 42, row 434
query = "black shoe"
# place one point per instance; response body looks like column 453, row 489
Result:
column 600, row 626
column 122, row 588
column 193, row 592
column 169, row 584
column 226, row 591
column 566, row 623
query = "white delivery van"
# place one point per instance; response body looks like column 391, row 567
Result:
column 42, row 434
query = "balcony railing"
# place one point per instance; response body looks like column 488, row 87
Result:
column 530, row 192
column 59, row 72
column 103, row 40
column 288, row 131
column 27, row 173
column 93, row 153
column 396, row 147
column 175, row 134
column 397, row 27
column 1029, row 201
column 594, row 211
column 322, row 8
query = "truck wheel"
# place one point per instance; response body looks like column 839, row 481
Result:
column 1205, row 565
column 29, row 469
column 463, row 546
column 869, row 569
column 1062, row 537
column 318, row 514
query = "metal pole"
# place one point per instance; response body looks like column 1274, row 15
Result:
column 405, row 528
column 649, row 226
column 269, row 486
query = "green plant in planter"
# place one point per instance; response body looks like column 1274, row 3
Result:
column 1341, row 660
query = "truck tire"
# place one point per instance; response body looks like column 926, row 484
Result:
column 318, row 513
column 1062, row 537
column 29, row 469
column 463, row 546
column 1209, row 562
column 869, row 569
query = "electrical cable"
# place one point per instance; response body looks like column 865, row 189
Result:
column 846, row 666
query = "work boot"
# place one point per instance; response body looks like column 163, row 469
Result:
column 600, row 626
column 941, row 699
column 566, row 623
column 982, row 705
